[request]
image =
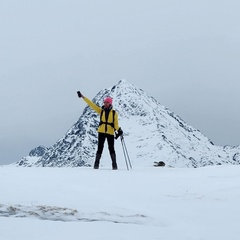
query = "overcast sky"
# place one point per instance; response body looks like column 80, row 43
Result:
column 186, row 54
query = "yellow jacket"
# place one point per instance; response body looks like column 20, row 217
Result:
column 104, row 127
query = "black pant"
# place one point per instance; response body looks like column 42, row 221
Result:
column 101, row 140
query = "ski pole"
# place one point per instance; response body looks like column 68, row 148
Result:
column 125, row 152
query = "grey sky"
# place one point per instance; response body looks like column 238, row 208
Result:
column 186, row 54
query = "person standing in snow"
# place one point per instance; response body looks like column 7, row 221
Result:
column 108, row 125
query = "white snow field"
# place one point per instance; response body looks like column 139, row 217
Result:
column 143, row 204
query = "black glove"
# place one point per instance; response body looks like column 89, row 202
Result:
column 79, row 94
column 119, row 133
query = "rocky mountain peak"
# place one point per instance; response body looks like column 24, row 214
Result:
column 152, row 132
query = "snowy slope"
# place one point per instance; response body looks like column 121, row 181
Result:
column 152, row 133
column 145, row 203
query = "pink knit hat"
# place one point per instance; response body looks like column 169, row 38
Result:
column 108, row 99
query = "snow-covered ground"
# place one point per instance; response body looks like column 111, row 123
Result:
column 144, row 203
